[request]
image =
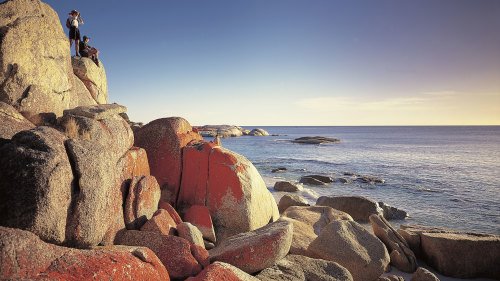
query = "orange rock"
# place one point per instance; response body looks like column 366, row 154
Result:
column 163, row 140
column 142, row 201
column 255, row 250
column 200, row 217
column 173, row 213
column 25, row 256
column 222, row 271
column 174, row 252
column 134, row 163
column 161, row 222
column 201, row 255
column 194, row 173
column 235, row 190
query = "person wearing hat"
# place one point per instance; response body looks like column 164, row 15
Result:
column 72, row 23
column 87, row 51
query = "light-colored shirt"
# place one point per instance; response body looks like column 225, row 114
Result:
column 74, row 21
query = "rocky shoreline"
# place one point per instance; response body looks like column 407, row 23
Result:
column 86, row 194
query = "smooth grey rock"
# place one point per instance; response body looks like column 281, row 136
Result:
column 98, row 111
column 36, row 183
column 295, row 267
column 359, row 207
column 286, row 186
column 291, row 200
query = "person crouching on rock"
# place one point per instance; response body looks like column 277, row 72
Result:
column 72, row 23
column 87, row 51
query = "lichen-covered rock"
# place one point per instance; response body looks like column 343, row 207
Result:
column 255, row 250
column 402, row 257
column 237, row 196
column 218, row 271
column 142, row 201
column 195, row 170
column 308, row 223
column 12, row 122
column 93, row 201
column 24, row 256
column 359, row 207
column 363, row 254
column 93, row 77
column 35, row 63
column 295, row 267
column 201, row 255
column 171, row 211
column 36, row 183
column 161, row 222
column 163, row 140
column 200, row 217
column 174, row 252
column 133, row 163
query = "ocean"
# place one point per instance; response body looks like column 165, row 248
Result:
column 445, row 176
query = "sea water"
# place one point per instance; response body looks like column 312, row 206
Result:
column 446, row 176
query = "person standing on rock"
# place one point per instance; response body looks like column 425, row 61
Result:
column 72, row 23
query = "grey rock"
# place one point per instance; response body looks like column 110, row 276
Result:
column 280, row 169
column 258, row 132
column 36, row 183
column 359, row 207
column 291, row 200
column 301, row 268
column 191, row 233
column 315, row 140
column 98, row 112
column 286, row 186
column 423, row 274
column 96, row 181
column 356, row 249
column 402, row 257
column 391, row 278
column 392, row 213
column 11, row 121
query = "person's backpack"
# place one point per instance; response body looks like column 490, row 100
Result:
column 68, row 23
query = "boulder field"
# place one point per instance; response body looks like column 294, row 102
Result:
column 85, row 197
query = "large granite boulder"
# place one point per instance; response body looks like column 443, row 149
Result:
column 218, row 271
column 163, row 140
column 455, row 253
column 93, row 77
column 222, row 131
column 174, row 252
column 24, row 256
column 12, row 122
column 363, row 254
column 93, row 200
column 359, row 207
column 255, row 250
column 142, row 201
column 295, row 267
column 103, row 124
column 133, row 163
column 229, row 185
column 36, row 183
column 82, row 96
column 35, row 63
column 308, row 222
column 402, row 257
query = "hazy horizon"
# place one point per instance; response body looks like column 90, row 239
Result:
column 294, row 63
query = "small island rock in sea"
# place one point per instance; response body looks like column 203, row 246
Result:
column 83, row 196
column 315, row 140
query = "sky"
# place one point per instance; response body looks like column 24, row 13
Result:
column 299, row 62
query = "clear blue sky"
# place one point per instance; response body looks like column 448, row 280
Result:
column 291, row 62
